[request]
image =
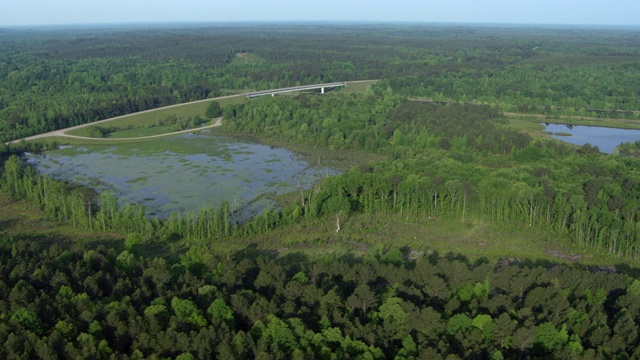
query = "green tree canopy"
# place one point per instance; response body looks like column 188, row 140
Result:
column 213, row 110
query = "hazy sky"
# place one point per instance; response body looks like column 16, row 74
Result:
column 585, row 12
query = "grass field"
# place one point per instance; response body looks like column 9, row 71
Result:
column 358, row 87
column 530, row 125
column 136, row 132
column 577, row 120
column 137, row 124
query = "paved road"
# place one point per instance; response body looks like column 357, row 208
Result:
column 217, row 123
column 63, row 132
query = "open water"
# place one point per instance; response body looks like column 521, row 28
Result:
column 184, row 173
column 607, row 139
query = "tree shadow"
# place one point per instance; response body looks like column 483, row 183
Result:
column 350, row 258
column 7, row 224
column 294, row 260
column 625, row 269
column 253, row 252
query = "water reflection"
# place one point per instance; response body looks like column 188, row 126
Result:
column 607, row 139
column 168, row 176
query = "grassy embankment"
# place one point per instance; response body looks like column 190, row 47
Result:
column 145, row 124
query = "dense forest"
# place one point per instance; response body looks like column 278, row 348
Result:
column 51, row 79
column 101, row 303
column 436, row 117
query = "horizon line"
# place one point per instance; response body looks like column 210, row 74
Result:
column 315, row 22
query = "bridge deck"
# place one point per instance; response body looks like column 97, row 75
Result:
column 295, row 88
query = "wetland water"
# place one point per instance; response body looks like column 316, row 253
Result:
column 185, row 172
column 607, row 139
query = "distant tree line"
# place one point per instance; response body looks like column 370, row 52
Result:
column 57, row 79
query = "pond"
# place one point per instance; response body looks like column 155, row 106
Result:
column 607, row 139
column 184, row 173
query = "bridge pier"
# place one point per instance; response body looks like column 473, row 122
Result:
column 323, row 89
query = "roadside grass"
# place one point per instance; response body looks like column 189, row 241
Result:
column 130, row 136
column 149, row 131
column 357, row 87
column 139, row 132
column 143, row 120
column 63, row 140
column 142, row 147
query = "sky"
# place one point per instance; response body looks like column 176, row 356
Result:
column 553, row 12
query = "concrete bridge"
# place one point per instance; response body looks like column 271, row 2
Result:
column 295, row 88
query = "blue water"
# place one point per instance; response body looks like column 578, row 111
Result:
column 607, row 139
